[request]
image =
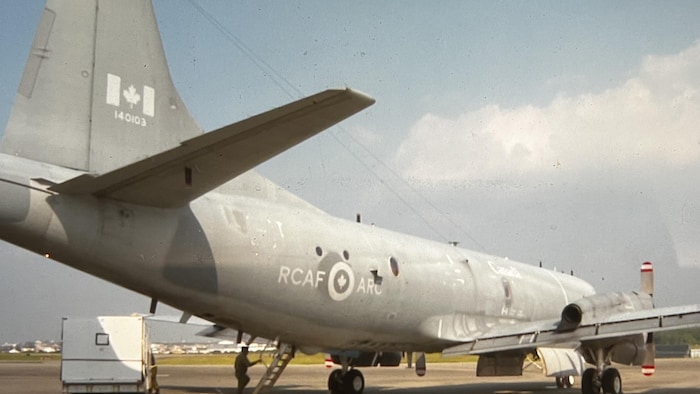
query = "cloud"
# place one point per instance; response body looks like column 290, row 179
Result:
column 650, row 120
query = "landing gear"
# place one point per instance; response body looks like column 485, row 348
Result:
column 609, row 383
column 335, row 381
column 352, row 382
column 564, row 381
column 346, row 380
column 589, row 382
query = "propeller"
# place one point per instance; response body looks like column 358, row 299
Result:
column 647, row 286
column 420, row 364
column 648, row 367
column 647, row 278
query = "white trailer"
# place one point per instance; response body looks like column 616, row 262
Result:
column 107, row 354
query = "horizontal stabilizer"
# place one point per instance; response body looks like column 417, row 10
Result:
column 175, row 177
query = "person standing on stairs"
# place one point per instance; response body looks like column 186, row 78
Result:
column 242, row 363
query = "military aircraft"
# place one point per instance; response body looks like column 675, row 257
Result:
column 103, row 169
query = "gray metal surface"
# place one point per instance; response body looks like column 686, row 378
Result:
column 88, row 185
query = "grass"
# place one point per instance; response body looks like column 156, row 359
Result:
column 219, row 359
column 29, row 357
column 300, row 359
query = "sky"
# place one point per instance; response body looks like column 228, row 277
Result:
column 565, row 133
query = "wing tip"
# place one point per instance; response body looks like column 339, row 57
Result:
column 362, row 96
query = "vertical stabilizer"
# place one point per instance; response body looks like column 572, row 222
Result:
column 96, row 93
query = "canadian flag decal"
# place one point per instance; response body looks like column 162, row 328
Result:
column 132, row 96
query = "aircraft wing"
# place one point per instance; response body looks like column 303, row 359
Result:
column 532, row 335
column 179, row 175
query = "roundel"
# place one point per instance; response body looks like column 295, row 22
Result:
column 341, row 282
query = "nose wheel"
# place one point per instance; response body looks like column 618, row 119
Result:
column 565, row 382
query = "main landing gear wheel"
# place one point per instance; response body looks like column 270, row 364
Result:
column 352, row 383
column 611, row 382
column 589, row 382
column 335, row 381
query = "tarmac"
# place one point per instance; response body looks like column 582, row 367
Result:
column 673, row 376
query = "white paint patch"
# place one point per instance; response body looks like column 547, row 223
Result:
column 114, row 83
column 149, row 101
column 279, row 228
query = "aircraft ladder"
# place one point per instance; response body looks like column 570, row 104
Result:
column 284, row 354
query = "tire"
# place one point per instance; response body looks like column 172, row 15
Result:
column 560, row 381
column 568, row 381
column 611, row 382
column 335, row 383
column 589, row 383
column 354, row 382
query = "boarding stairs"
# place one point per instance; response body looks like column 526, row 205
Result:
column 282, row 357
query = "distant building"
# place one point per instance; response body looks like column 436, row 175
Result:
column 31, row 347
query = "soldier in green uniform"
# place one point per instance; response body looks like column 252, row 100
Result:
column 242, row 364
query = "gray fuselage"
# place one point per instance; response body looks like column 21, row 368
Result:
column 251, row 256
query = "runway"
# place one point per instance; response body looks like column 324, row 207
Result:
column 674, row 376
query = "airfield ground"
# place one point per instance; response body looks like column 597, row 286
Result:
column 673, row 376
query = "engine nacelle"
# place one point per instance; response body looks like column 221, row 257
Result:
column 595, row 306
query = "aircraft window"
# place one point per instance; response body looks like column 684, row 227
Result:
column 346, row 255
column 101, row 339
column 394, row 266
column 319, row 251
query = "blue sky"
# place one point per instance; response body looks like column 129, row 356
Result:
column 562, row 132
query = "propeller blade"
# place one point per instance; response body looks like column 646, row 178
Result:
column 647, row 278
column 420, row 364
column 648, row 367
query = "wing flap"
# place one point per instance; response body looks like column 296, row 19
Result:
column 533, row 335
column 177, row 176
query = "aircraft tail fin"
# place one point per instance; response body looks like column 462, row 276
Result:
column 96, row 93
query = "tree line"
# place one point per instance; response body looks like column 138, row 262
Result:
column 690, row 336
